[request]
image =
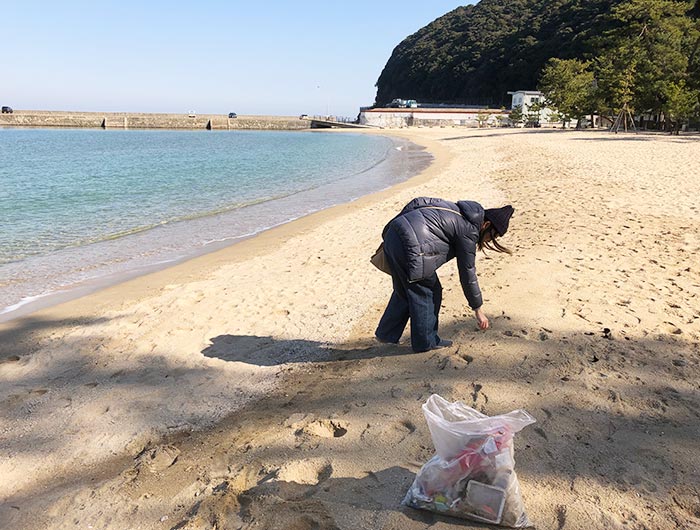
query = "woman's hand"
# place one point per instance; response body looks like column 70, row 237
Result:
column 481, row 319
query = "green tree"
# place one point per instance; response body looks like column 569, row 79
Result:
column 681, row 103
column 483, row 117
column 534, row 111
column 477, row 53
column 516, row 115
column 556, row 117
column 648, row 46
column 588, row 56
column 694, row 46
column 616, row 76
column 569, row 85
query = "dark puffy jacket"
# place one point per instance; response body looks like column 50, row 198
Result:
column 432, row 236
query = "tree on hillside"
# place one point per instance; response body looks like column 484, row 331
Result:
column 477, row 53
column 641, row 55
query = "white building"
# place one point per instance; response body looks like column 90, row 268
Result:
column 526, row 99
column 432, row 117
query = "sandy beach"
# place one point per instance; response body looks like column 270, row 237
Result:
column 243, row 389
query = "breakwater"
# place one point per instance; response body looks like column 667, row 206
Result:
column 132, row 120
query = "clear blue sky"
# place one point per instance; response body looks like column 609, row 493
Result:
column 211, row 56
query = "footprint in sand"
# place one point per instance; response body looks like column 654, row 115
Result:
column 672, row 329
column 310, row 472
column 158, row 458
column 561, row 517
column 392, row 433
column 477, row 393
column 10, row 359
column 467, row 358
column 26, row 397
column 326, row 428
column 687, row 501
column 541, row 432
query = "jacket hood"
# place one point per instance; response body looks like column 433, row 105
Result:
column 473, row 212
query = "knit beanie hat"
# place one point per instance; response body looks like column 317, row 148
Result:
column 499, row 217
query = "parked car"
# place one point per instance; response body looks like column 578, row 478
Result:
column 403, row 103
column 397, row 103
column 7, row 110
column 232, row 115
column 303, row 116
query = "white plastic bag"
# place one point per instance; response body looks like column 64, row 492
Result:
column 472, row 476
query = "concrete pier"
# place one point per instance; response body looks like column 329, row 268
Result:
column 124, row 120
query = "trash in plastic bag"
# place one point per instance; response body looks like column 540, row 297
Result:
column 472, row 476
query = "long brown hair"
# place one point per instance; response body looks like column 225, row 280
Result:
column 491, row 242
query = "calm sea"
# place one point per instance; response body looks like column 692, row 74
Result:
column 85, row 208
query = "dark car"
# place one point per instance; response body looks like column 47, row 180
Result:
column 7, row 110
column 232, row 115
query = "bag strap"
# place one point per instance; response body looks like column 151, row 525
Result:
column 441, row 208
column 422, row 207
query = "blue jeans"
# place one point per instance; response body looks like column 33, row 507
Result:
column 417, row 301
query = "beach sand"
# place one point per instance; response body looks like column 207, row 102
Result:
column 243, row 389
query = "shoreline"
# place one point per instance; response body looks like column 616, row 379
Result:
column 377, row 177
column 244, row 388
column 112, row 303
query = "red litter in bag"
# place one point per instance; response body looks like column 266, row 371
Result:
column 472, row 475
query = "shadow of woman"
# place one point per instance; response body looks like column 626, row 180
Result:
column 267, row 351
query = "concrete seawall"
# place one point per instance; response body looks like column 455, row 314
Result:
column 128, row 120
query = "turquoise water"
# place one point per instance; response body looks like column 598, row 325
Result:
column 65, row 188
column 79, row 205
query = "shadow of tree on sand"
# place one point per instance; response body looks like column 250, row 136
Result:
column 615, row 418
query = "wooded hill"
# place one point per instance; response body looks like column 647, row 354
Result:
column 477, row 53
